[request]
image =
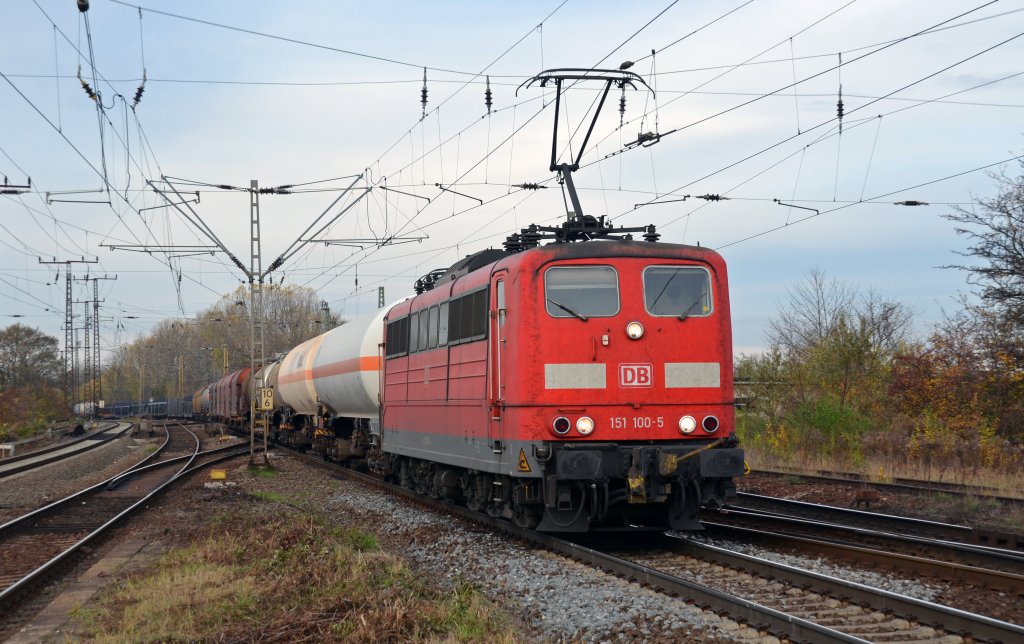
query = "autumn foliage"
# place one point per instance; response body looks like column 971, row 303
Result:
column 850, row 395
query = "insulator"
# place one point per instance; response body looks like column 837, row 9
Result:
column 88, row 90
column 531, row 236
column 423, row 94
column 839, row 103
column 83, row 5
column 911, row 202
column 487, row 95
column 512, row 243
column 650, row 234
column 138, row 92
column 622, row 105
column 710, row 197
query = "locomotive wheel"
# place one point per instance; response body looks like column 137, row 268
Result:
column 404, row 475
column 474, row 489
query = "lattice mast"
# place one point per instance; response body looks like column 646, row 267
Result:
column 256, row 316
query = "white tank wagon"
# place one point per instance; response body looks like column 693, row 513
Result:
column 295, row 379
column 346, row 369
column 82, row 409
column 330, row 389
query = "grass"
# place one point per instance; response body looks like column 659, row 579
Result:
column 273, row 497
column 262, row 471
column 289, row 577
column 879, row 455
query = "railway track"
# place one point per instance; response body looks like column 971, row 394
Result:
column 855, row 610
column 901, row 484
column 40, row 545
column 805, row 607
column 996, row 559
column 897, row 524
column 39, row 458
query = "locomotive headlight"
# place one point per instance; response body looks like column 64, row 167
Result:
column 561, row 426
column 635, row 330
column 687, row 424
column 585, row 426
column 710, row 424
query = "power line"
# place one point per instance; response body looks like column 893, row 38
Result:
column 871, row 199
column 295, row 41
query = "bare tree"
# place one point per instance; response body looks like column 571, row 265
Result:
column 834, row 342
column 812, row 312
column 995, row 229
column 199, row 350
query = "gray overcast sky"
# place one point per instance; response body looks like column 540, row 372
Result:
column 336, row 92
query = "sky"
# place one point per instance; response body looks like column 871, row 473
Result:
column 326, row 97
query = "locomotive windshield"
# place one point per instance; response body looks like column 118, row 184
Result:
column 682, row 291
column 581, row 291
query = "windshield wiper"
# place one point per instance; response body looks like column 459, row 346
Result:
column 568, row 310
column 686, row 313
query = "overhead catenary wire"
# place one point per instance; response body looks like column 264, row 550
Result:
column 294, row 41
column 860, row 107
column 875, row 197
column 874, row 49
column 491, row 151
column 457, row 139
column 497, row 147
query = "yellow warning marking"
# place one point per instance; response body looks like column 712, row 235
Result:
column 524, row 465
column 218, row 475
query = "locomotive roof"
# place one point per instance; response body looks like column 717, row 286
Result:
column 581, row 250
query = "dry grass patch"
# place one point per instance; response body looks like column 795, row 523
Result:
column 288, row 578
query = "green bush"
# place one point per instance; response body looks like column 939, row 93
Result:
column 837, row 428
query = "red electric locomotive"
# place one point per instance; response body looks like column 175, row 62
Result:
column 569, row 387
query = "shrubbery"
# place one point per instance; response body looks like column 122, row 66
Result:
column 948, row 407
column 842, row 385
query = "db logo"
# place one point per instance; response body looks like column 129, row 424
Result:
column 636, row 375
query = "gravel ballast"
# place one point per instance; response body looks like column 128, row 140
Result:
column 559, row 598
column 918, row 589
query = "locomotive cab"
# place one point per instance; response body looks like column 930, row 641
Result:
column 613, row 373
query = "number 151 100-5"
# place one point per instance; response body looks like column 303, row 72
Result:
column 636, row 422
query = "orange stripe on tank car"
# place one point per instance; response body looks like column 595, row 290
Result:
column 363, row 363
column 292, row 377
